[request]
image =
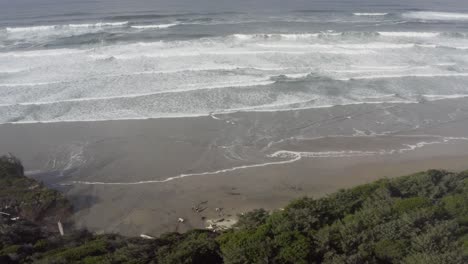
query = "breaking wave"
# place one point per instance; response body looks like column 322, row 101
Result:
column 444, row 16
column 61, row 27
column 160, row 26
column 155, row 66
column 370, row 14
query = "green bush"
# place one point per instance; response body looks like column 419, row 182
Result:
column 421, row 218
column 390, row 250
column 92, row 248
column 194, row 247
column 252, row 219
column 410, row 204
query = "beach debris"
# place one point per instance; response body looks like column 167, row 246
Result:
column 221, row 224
column 60, row 228
column 219, row 211
column 212, row 115
column 33, row 187
column 181, row 220
column 146, row 236
column 14, row 218
column 198, row 208
column 214, row 227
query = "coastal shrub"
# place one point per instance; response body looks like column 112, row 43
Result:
column 421, row 218
column 411, row 204
column 193, row 247
column 92, row 248
column 292, row 247
column 246, row 246
column 456, row 205
column 252, row 219
column 390, row 251
column 10, row 166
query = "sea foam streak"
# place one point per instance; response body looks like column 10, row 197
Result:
column 290, row 157
column 410, row 34
column 421, row 75
column 370, row 14
column 60, row 27
column 29, row 29
column 189, row 88
column 100, row 24
column 428, row 15
column 161, row 26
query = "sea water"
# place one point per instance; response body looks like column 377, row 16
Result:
column 110, row 60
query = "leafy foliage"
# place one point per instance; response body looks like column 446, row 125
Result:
column 422, row 218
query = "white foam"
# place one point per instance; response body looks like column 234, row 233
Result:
column 434, row 97
column 161, row 26
column 195, row 87
column 370, row 14
column 294, row 158
column 61, row 27
column 381, row 69
column 375, row 45
column 297, row 75
column 42, row 53
column 29, row 29
column 410, row 34
column 378, row 45
column 10, row 71
column 324, row 154
column 26, row 84
column 238, row 52
column 101, row 24
column 290, row 157
column 423, row 75
column 304, row 36
column 96, row 73
column 428, row 15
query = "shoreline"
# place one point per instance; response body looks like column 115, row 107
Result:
column 237, row 162
column 240, row 111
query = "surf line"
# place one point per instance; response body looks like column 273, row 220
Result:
column 295, row 157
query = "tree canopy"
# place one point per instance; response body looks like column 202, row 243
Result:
column 421, row 218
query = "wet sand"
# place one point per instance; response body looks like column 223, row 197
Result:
column 140, row 176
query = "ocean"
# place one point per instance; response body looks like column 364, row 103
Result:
column 112, row 60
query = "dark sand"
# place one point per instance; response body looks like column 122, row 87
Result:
column 318, row 151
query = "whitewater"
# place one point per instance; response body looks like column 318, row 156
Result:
column 152, row 65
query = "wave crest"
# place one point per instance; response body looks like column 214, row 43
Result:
column 429, row 15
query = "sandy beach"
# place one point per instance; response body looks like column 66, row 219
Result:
column 140, row 176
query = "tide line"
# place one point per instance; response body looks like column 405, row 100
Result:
column 294, row 159
column 292, row 156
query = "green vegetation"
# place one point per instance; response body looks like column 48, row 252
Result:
column 26, row 198
column 422, row 218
